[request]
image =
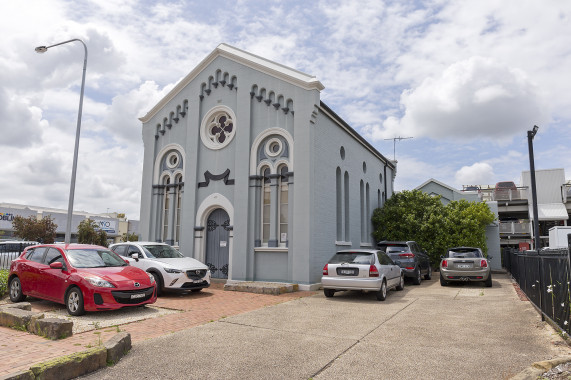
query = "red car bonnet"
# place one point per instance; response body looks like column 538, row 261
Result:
column 116, row 274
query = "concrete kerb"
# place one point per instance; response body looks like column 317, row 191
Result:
column 274, row 288
column 19, row 316
column 539, row 368
column 78, row 364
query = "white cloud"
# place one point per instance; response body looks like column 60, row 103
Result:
column 473, row 99
column 476, row 174
column 20, row 122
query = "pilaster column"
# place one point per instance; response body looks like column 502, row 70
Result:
column 274, row 210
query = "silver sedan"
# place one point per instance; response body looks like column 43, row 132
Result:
column 362, row 269
column 465, row 264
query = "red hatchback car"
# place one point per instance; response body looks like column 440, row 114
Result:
column 83, row 277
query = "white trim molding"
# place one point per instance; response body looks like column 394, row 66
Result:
column 256, row 144
column 207, row 137
column 160, row 155
column 274, row 69
column 212, row 202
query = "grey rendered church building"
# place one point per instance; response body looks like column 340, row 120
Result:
column 246, row 170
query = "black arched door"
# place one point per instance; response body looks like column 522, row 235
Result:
column 217, row 243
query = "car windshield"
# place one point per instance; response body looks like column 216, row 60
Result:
column 352, row 258
column 94, row 258
column 159, row 251
column 464, row 253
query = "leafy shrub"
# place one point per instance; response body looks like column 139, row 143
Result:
column 3, row 282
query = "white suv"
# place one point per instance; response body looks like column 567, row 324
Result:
column 171, row 269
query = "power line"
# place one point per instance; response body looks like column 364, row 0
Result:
column 395, row 144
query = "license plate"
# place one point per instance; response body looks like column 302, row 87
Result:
column 135, row 296
column 347, row 271
column 464, row 266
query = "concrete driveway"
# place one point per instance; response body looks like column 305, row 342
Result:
column 424, row 332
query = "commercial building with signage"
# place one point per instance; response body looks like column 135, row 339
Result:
column 248, row 171
column 114, row 227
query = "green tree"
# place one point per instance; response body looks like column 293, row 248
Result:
column 465, row 223
column 414, row 215
column 129, row 237
column 30, row 228
column 89, row 233
column 410, row 215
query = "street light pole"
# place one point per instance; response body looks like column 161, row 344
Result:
column 43, row 49
column 537, row 240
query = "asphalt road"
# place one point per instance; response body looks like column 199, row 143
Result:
column 424, row 332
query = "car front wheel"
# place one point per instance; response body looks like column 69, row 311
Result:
column 382, row 293
column 159, row 282
column 16, row 294
column 74, row 302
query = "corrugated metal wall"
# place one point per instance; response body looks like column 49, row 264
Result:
column 548, row 184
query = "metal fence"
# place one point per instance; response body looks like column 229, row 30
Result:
column 11, row 250
column 544, row 278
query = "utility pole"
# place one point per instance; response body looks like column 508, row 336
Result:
column 395, row 144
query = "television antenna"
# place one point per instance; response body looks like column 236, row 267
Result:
column 395, row 144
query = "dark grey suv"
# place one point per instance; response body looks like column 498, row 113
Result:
column 413, row 260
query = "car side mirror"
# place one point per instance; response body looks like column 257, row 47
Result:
column 56, row 265
column 135, row 256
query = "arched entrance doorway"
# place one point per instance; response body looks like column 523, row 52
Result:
column 217, row 243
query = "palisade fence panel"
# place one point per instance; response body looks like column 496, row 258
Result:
column 544, row 278
column 9, row 252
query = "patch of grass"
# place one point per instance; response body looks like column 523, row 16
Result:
column 3, row 282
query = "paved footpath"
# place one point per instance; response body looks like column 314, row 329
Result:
column 464, row 331
column 19, row 350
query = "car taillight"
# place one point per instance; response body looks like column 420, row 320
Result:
column 444, row 264
column 411, row 268
column 373, row 271
column 407, row 255
column 326, row 270
column 484, row 264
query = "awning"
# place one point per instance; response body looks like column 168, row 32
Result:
column 550, row 211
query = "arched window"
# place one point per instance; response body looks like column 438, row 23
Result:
column 362, row 207
column 283, row 202
column 266, row 203
column 166, row 206
column 178, row 181
column 347, row 219
column 338, row 184
column 167, row 195
column 367, row 213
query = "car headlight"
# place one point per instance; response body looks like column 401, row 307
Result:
column 99, row 282
column 172, row 270
column 151, row 277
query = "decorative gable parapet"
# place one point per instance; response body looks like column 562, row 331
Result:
column 179, row 112
column 222, row 79
column 278, row 102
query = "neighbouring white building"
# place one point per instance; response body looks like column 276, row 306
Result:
column 114, row 226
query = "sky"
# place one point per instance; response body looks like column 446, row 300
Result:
column 465, row 79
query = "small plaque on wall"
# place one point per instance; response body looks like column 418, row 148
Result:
column 223, row 243
column 283, row 237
